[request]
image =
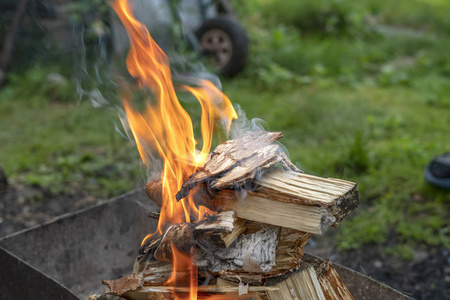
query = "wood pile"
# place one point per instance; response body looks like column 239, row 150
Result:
column 252, row 247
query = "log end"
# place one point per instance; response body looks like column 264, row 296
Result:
column 153, row 189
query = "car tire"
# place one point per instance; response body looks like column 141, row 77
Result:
column 226, row 42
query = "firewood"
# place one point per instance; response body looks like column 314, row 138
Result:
column 289, row 252
column 167, row 292
column 155, row 273
column 122, row 285
column 309, row 218
column 229, row 238
column 253, row 252
column 153, row 189
column 295, row 200
column 332, row 285
column 261, row 295
column 302, row 285
column 247, row 278
column 239, row 161
column 224, row 223
column 288, row 256
column 316, row 279
column 180, row 236
column 339, row 197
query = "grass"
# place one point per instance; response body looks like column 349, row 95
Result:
column 49, row 139
column 353, row 103
column 358, row 104
column 380, row 137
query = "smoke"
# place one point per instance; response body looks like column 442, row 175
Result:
column 242, row 125
column 185, row 71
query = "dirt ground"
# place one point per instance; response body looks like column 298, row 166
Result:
column 427, row 276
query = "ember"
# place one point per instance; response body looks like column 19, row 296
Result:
column 235, row 220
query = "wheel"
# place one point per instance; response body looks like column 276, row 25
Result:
column 225, row 41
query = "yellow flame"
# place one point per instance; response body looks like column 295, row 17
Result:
column 165, row 127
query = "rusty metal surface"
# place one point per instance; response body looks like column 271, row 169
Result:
column 69, row 257
column 81, row 249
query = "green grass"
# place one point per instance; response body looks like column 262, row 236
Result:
column 358, row 104
column 380, row 137
column 50, row 139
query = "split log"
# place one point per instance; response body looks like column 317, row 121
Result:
column 339, row 197
column 237, row 162
column 295, row 200
column 289, row 252
column 183, row 235
column 302, row 285
column 288, row 256
column 253, row 252
column 308, row 218
column 229, row 238
column 332, row 285
column 224, row 223
column 316, row 279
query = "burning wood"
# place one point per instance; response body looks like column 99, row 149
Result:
column 182, row 236
column 295, row 200
column 234, row 215
column 259, row 250
column 237, row 162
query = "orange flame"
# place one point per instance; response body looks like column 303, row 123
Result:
column 185, row 274
column 165, row 127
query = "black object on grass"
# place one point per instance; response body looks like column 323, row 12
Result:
column 438, row 171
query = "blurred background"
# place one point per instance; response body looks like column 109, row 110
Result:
column 361, row 90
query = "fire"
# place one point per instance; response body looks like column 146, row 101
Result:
column 164, row 127
column 185, row 274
